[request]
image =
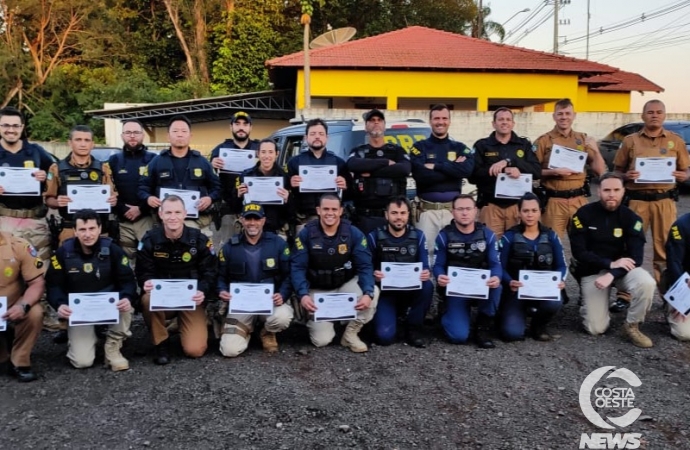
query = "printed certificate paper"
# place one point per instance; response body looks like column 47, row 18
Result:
column 539, row 285
column 335, row 307
column 655, row 170
column 88, row 196
column 173, row 295
column 94, row 308
column 468, row 283
column 263, row 190
column 401, row 276
column 237, row 160
column 567, row 158
column 190, row 199
column 318, row 178
column 679, row 295
column 255, row 299
column 19, row 181
column 507, row 187
column 3, row 310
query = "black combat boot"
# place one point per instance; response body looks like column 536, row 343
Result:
column 413, row 337
column 481, row 332
column 162, row 356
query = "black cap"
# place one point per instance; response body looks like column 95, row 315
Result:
column 241, row 115
column 253, row 209
column 374, row 113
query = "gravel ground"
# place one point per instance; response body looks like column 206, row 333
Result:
column 518, row 396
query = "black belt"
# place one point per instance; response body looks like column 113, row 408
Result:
column 647, row 196
column 565, row 194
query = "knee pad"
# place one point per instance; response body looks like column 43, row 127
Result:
column 82, row 363
column 322, row 339
column 233, row 345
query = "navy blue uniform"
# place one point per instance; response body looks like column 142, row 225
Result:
column 306, row 203
column 444, row 181
column 127, row 167
column 677, row 254
column 276, row 215
column 228, row 180
column 29, row 156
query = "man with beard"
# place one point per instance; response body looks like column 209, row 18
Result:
column 134, row 216
column 400, row 242
column 316, row 136
column 380, row 172
column 241, row 128
column 255, row 256
column 607, row 240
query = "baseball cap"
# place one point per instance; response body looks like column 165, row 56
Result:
column 374, row 113
column 240, row 115
column 253, row 209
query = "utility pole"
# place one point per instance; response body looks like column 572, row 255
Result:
column 555, row 26
column 480, row 21
column 589, row 17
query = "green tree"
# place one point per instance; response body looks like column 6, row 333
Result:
column 488, row 27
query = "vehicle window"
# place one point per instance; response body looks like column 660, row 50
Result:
column 683, row 130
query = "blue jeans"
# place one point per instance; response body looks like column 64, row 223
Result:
column 458, row 310
column 513, row 314
column 392, row 302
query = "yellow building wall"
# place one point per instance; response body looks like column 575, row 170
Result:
column 605, row 102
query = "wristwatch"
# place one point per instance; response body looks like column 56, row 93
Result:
column 26, row 307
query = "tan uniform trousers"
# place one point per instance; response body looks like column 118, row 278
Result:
column 322, row 333
column 238, row 328
column 35, row 231
column 499, row 219
column 132, row 232
column 559, row 211
column 680, row 327
column 595, row 308
column 431, row 222
column 83, row 340
column 192, row 326
column 660, row 215
column 26, row 333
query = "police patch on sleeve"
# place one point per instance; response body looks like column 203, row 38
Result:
column 56, row 264
column 221, row 256
column 364, row 242
column 286, row 252
column 298, row 244
column 676, row 233
column 209, row 246
column 576, row 222
column 125, row 261
column 31, row 250
column 638, row 225
column 49, row 176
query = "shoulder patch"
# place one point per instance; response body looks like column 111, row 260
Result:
column 209, row 246
column 125, row 261
column 675, row 232
column 55, row 263
column 221, row 256
column 298, row 244
column 638, row 225
column 576, row 222
column 286, row 252
column 31, row 250
column 415, row 151
column 364, row 242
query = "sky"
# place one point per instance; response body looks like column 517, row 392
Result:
column 648, row 38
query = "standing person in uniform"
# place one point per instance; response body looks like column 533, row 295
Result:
column 78, row 168
column 400, row 242
column 133, row 215
column 565, row 189
column 180, row 167
column 316, row 136
column 176, row 251
column 438, row 166
column 277, row 216
column 380, row 172
column 678, row 257
column 86, row 263
column 241, row 129
column 503, row 152
column 332, row 256
column 22, row 284
column 653, row 202
column 529, row 246
column 255, row 256
column 469, row 244
column 607, row 241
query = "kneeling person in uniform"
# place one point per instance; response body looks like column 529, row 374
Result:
column 176, row 251
column 90, row 263
column 678, row 260
column 255, row 256
column 332, row 256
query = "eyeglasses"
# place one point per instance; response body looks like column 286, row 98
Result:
column 467, row 209
column 11, row 126
column 132, row 133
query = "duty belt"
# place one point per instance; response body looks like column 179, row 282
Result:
column 650, row 196
column 435, row 206
column 34, row 213
column 565, row 194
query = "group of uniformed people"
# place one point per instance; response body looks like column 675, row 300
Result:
column 306, row 246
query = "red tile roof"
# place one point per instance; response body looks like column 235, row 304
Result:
column 425, row 48
column 621, row 81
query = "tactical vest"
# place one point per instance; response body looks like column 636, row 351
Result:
column 389, row 250
column 69, row 174
column 270, row 260
column 373, row 187
column 194, row 177
column 330, row 265
column 95, row 275
column 523, row 257
column 470, row 254
column 177, row 259
column 29, row 150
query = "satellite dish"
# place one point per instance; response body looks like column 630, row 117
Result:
column 332, row 37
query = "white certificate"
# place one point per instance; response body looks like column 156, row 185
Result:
column 94, row 308
column 173, row 295
column 507, row 187
column 318, row 178
column 401, row 276
column 655, row 170
column 335, row 307
column 251, row 298
column 567, row 158
column 3, row 310
column 679, row 295
column 263, row 190
column 190, row 199
column 468, row 283
column 237, row 160
column 539, row 285
column 19, row 181
column 88, row 196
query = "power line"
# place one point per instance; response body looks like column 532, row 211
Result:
column 544, row 19
column 583, row 47
column 643, row 45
